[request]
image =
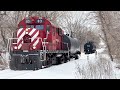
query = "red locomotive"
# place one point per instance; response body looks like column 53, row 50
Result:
column 37, row 43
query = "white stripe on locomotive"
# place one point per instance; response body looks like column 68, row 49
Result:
column 36, row 42
column 21, row 36
column 35, row 36
column 30, row 33
column 20, row 46
column 18, row 32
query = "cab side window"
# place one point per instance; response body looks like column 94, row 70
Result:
column 59, row 31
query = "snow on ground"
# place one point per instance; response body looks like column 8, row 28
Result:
column 64, row 71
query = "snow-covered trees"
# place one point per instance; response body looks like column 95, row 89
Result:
column 81, row 26
column 108, row 21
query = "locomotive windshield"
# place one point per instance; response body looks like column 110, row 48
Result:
column 39, row 27
column 40, row 21
column 30, row 26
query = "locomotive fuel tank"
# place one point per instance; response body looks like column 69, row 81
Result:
column 73, row 44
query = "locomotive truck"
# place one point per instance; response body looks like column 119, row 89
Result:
column 37, row 43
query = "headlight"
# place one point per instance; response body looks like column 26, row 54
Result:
column 15, row 47
column 39, row 21
column 27, row 29
column 34, row 47
column 26, row 32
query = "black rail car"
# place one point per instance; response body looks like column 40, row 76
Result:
column 73, row 45
column 89, row 48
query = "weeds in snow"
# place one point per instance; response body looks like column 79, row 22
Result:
column 100, row 69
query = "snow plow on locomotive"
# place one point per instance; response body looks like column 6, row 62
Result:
column 37, row 43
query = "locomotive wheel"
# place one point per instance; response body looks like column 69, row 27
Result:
column 58, row 61
column 66, row 59
column 48, row 63
column 62, row 60
column 76, row 57
column 54, row 60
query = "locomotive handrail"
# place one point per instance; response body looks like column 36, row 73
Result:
column 44, row 47
column 9, row 42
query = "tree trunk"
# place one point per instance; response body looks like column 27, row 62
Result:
column 104, row 32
